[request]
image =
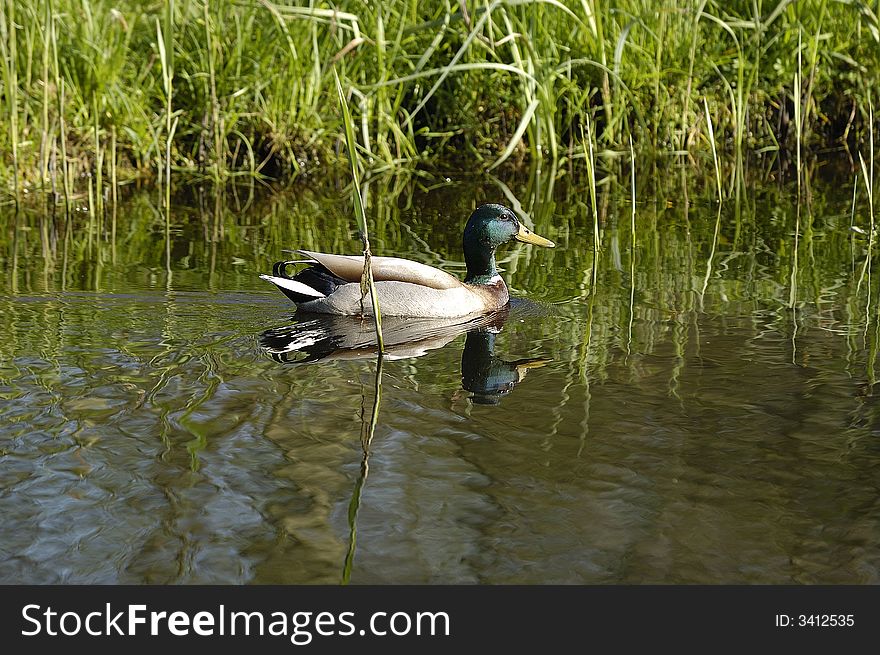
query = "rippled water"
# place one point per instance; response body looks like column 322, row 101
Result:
column 696, row 409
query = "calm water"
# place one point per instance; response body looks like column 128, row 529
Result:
column 698, row 408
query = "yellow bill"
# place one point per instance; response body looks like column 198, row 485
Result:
column 527, row 236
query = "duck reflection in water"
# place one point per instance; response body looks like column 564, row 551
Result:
column 319, row 337
column 487, row 376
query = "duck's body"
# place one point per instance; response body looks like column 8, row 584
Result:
column 416, row 300
column 331, row 283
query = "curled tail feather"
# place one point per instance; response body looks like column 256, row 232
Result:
column 312, row 283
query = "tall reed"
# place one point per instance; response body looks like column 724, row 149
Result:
column 710, row 260
column 368, row 286
column 715, row 161
column 47, row 33
column 591, row 178
column 165, row 41
column 9, row 52
column 798, row 115
column 632, row 245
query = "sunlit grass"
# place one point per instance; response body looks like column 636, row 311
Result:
column 475, row 84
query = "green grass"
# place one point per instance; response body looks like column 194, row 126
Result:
column 87, row 85
column 368, row 286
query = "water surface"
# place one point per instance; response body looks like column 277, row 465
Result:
column 692, row 403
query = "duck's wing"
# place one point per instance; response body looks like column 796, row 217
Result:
column 385, row 269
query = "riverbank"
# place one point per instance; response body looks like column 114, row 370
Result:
column 107, row 90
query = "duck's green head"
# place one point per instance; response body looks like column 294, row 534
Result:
column 489, row 227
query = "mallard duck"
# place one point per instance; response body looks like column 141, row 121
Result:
column 331, row 283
